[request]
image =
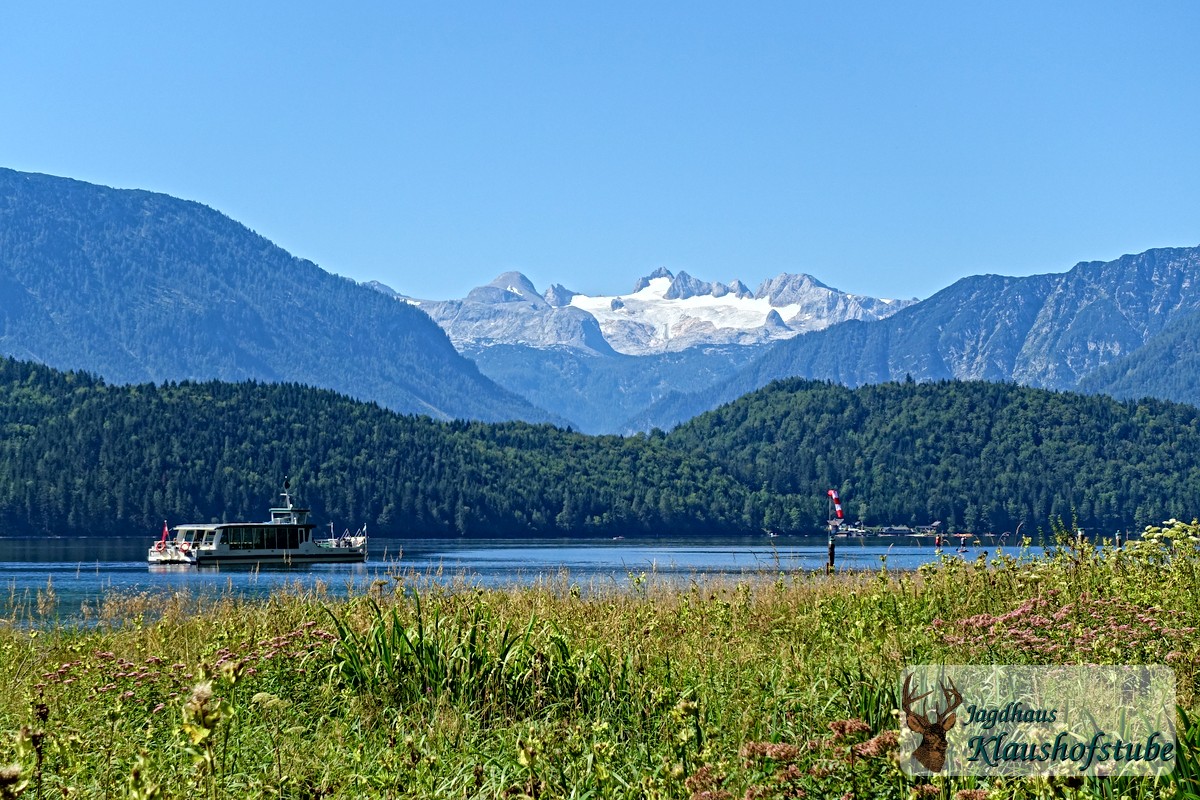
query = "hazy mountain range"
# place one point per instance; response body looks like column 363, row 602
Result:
column 136, row 286
column 1125, row 327
column 599, row 360
column 664, row 313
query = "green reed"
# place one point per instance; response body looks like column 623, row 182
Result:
column 770, row 686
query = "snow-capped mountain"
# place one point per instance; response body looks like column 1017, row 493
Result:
column 664, row 313
column 509, row 310
column 1127, row 327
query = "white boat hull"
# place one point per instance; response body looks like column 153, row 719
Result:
column 346, row 552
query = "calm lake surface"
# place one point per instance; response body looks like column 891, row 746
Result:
column 85, row 571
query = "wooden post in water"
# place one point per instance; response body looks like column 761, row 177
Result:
column 829, row 566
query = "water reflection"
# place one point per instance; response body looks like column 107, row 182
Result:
column 86, row 571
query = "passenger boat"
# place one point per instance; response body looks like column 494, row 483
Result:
column 287, row 538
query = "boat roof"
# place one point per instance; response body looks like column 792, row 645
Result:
column 212, row 526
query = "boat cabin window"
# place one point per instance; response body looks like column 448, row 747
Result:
column 263, row 537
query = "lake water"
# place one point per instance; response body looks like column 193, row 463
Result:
column 85, row 571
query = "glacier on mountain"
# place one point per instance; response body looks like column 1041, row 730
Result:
column 664, row 313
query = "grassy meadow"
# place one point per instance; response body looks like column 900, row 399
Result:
column 775, row 686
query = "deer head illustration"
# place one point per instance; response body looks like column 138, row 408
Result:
column 931, row 753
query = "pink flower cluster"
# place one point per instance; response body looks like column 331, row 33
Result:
column 1091, row 629
column 845, row 728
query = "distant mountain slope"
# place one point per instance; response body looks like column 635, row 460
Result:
column 136, row 286
column 598, row 392
column 1167, row 366
column 1049, row 331
column 506, row 311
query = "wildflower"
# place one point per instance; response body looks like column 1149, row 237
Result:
column 879, row 746
column 971, row 794
column 202, row 712
column 754, row 751
column 925, row 790
column 845, row 728
column 232, row 671
column 267, row 700
column 703, row 781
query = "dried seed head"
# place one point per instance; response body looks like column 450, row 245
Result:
column 10, row 775
column 845, row 728
column 201, row 694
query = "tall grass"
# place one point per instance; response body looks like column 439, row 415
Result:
column 777, row 686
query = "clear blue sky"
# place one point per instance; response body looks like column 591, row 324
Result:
column 886, row 148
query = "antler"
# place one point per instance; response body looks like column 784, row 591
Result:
column 952, row 697
column 909, row 698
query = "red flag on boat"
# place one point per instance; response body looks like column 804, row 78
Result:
column 164, row 537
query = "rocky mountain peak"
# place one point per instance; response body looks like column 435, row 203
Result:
column 684, row 286
column 508, row 287
column 739, row 289
column 774, row 321
column 661, row 272
column 786, row 289
column 383, row 288
column 559, row 296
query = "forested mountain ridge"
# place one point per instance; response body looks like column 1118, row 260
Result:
column 977, row 455
column 1055, row 331
column 1167, row 366
column 80, row 456
column 138, row 286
